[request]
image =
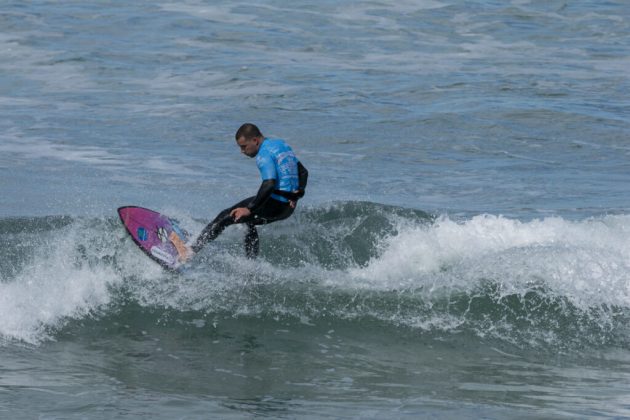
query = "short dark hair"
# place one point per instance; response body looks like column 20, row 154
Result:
column 248, row 131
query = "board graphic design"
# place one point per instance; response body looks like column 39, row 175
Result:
column 156, row 234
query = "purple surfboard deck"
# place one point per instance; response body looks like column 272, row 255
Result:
column 155, row 234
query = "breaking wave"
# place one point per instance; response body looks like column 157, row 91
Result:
column 545, row 283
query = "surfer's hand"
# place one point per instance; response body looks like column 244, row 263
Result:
column 240, row 212
column 298, row 194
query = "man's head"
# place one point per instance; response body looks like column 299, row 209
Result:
column 249, row 138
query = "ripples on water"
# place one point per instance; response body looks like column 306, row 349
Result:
column 514, row 108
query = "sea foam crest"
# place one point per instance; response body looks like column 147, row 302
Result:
column 78, row 270
column 54, row 285
column 587, row 261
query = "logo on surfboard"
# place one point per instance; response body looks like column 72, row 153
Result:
column 143, row 235
column 162, row 255
column 162, row 234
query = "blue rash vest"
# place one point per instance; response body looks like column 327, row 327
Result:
column 276, row 160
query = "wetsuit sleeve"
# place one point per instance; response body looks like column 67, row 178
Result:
column 264, row 192
column 303, row 179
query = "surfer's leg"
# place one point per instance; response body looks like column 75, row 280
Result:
column 271, row 211
column 252, row 244
column 218, row 225
column 213, row 229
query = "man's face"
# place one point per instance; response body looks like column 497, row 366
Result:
column 249, row 147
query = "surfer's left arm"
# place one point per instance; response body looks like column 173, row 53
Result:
column 267, row 187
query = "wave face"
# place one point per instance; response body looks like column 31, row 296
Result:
column 545, row 284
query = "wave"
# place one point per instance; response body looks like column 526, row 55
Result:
column 545, row 283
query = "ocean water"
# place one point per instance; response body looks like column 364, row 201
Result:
column 463, row 250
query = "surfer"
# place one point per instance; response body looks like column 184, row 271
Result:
column 283, row 184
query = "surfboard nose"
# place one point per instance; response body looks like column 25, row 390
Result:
column 123, row 212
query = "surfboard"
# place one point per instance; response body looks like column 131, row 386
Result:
column 156, row 235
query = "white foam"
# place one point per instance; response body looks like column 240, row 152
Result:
column 372, row 14
column 219, row 13
column 28, row 148
column 586, row 261
column 18, row 58
column 52, row 289
column 211, row 85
